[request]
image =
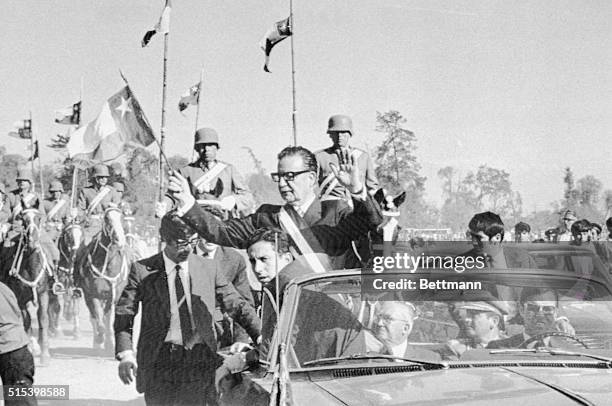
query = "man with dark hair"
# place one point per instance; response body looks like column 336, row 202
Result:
column 177, row 347
column 522, row 232
column 609, row 227
column 581, row 231
column 310, row 230
column 16, row 361
column 539, row 308
column 487, row 232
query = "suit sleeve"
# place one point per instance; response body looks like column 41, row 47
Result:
column 238, row 308
column 371, row 181
column 125, row 311
column 241, row 281
column 244, row 198
column 366, row 216
column 232, row 233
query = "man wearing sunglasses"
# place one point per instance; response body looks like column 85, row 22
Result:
column 177, row 350
column 311, row 230
column 539, row 309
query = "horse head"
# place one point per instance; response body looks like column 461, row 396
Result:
column 31, row 226
column 72, row 235
column 113, row 227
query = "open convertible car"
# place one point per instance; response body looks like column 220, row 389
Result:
column 322, row 351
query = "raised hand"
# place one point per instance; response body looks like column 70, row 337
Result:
column 347, row 174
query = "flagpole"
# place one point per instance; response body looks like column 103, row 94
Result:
column 163, row 119
column 75, row 169
column 197, row 118
column 32, row 151
column 294, row 112
column 42, row 187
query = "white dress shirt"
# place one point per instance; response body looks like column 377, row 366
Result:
column 174, row 333
column 400, row 349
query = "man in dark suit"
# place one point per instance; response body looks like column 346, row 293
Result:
column 233, row 267
column 177, row 346
column 310, row 230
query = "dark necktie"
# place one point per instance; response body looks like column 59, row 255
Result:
column 181, row 300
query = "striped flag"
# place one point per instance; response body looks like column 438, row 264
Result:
column 120, row 122
column 35, row 154
column 23, row 129
column 278, row 32
column 163, row 25
column 70, row 115
column 191, row 96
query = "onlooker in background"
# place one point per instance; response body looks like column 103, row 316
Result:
column 522, row 232
column 16, row 361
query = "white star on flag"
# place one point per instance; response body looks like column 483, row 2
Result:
column 124, row 106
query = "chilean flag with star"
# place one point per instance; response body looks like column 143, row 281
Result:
column 121, row 122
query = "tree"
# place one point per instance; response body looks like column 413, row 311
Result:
column 447, row 174
column 589, row 188
column 570, row 194
column 397, row 166
column 260, row 183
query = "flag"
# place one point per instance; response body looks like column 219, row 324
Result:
column 279, row 31
column 120, row 122
column 163, row 25
column 35, row 154
column 191, row 96
column 70, row 115
column 24, row 129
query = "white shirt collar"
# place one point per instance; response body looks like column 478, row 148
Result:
column 305, row 205
column 400, row 349
column 170, row 264
column 209, row 254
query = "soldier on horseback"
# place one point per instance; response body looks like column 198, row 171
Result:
column 93, row 200
column 57, row 207
column 214, row 183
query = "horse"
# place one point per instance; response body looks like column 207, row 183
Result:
column 68, row 244
column 27, row 268
column 102, row 268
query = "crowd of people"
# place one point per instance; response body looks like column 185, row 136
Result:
column 194, row 295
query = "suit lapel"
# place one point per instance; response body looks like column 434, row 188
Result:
column 161, row 282
column 313, row 214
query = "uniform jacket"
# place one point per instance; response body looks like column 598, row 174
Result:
column 227, row 183
column 364, row 162
column 147, row 284
column 331, row 234
column 14, row 199
column 61, row 213
column 88, row 194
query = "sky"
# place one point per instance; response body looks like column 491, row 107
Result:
column 524, row 86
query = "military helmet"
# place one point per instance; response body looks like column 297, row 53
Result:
column 56, row 186
column 25, row 174
column 569, row 215
column 119, row 187
column 101, row 170
column 206, row 136
column 340, row 122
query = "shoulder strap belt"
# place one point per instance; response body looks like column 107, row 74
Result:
column 56, row 208
column 210, row 175
column 96, row 200
column 287, row 224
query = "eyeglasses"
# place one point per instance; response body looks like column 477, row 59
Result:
column 534, row 308
column 186, row 243
column 386, row 319
column 289, row 176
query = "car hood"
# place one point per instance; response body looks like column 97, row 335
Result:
column 475, row 386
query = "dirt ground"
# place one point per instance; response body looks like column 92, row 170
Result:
column 91, row 374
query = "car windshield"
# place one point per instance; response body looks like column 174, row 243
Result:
column 338, row 320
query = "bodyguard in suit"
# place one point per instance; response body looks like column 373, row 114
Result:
column 232, row 266
column 176, row 357
column 310, row 229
